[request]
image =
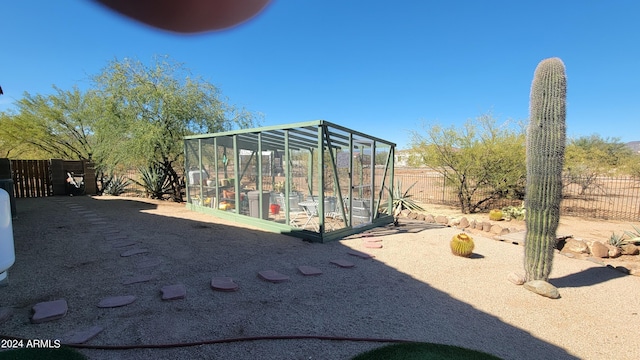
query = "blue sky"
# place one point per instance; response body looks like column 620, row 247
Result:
column 380, row 67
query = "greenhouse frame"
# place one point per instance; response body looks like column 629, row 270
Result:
column 314, row 180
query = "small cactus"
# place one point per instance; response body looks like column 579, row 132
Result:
column 495, row 215
column 462, row 245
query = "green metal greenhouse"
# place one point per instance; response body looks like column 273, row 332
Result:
column 315, row 180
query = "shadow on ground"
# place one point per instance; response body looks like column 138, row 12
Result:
column 65, row 249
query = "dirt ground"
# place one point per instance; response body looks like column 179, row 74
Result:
column 80, row 249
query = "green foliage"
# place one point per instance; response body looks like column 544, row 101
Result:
column 545, row 155
column 514, row 212
column 155, row 181
column 599, row 155
column 133, row 115
column 149, row 109
column 115, row 185
column 627, row 237
column 57, row 125
column 400, row 200
column 588, row 157
column 616, row 240
column 483, row 161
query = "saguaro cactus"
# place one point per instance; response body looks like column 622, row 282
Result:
column 546, row 136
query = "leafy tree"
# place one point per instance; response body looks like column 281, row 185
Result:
column 56, row 126
column 481, row 160
column 147, row 110
column 588, row 157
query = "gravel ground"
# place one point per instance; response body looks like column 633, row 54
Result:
column 413, row 289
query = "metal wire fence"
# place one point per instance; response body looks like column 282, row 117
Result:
column 609, row 198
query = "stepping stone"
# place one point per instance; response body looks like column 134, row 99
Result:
column 116, row 301
column 309, row 270
column 272, row 276
column 134, row 252
column 138, row 279
column 223, row 284
column 81, row 336
column 49, row 310
column 359, row 254
column 149, row 263
column 125, row 243
column 343, row 263
column 372, row 245
column 173, row 292
column 5, row 314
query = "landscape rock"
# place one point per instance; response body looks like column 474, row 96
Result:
column 576, row 246
column 420, row 217
column 543, row 288
column 429, row 219
column 599, row 250
column 629, row 249
column 441, row 219
column 464, row 223
column 516, row 278
column 496, row 229
column 405, row 212
column 412, row 215
column 473, row 223
column 486, row 226
column 614, row 251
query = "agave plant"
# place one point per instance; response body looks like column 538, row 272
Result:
column 115, row 185
column 155, row 181
column 401, row 200
column 634, row 237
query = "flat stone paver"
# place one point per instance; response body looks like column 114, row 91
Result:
column 49, row 311
column 273, row 276
column 343, row 263
column 223, row 283
column 138, row 279
column 116, row 301
column 173, row 292
column 309, row 270
column 81, row 336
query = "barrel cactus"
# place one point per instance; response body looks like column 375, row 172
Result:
column 462, row 245
column 545, row 156
column 495, row 215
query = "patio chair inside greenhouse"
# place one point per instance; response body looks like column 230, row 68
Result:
column 315, row 180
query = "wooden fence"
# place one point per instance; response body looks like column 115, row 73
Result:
column 41, row 178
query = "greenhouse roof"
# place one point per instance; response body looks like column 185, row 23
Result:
column 303, row 135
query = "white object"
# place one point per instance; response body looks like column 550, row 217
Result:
column 7, row 251
column 195, row 176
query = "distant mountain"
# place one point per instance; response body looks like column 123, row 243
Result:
column 634, row 145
